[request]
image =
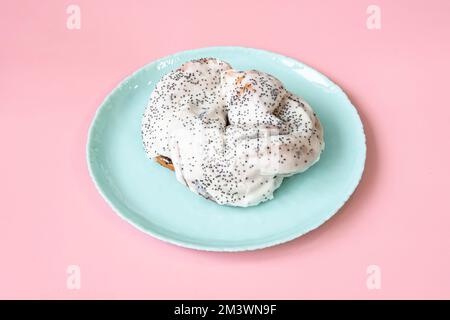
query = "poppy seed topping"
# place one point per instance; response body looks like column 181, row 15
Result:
column 230, row 136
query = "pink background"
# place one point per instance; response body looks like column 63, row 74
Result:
column 52, row 80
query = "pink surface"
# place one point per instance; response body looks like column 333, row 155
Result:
column 52, row 79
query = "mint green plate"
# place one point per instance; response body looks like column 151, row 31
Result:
column 150, row 198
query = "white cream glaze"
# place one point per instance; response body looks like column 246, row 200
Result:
column 231, row 135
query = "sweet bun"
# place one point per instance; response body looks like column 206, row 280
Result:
column 230, row 136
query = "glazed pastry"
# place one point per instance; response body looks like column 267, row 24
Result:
column 230, row 136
